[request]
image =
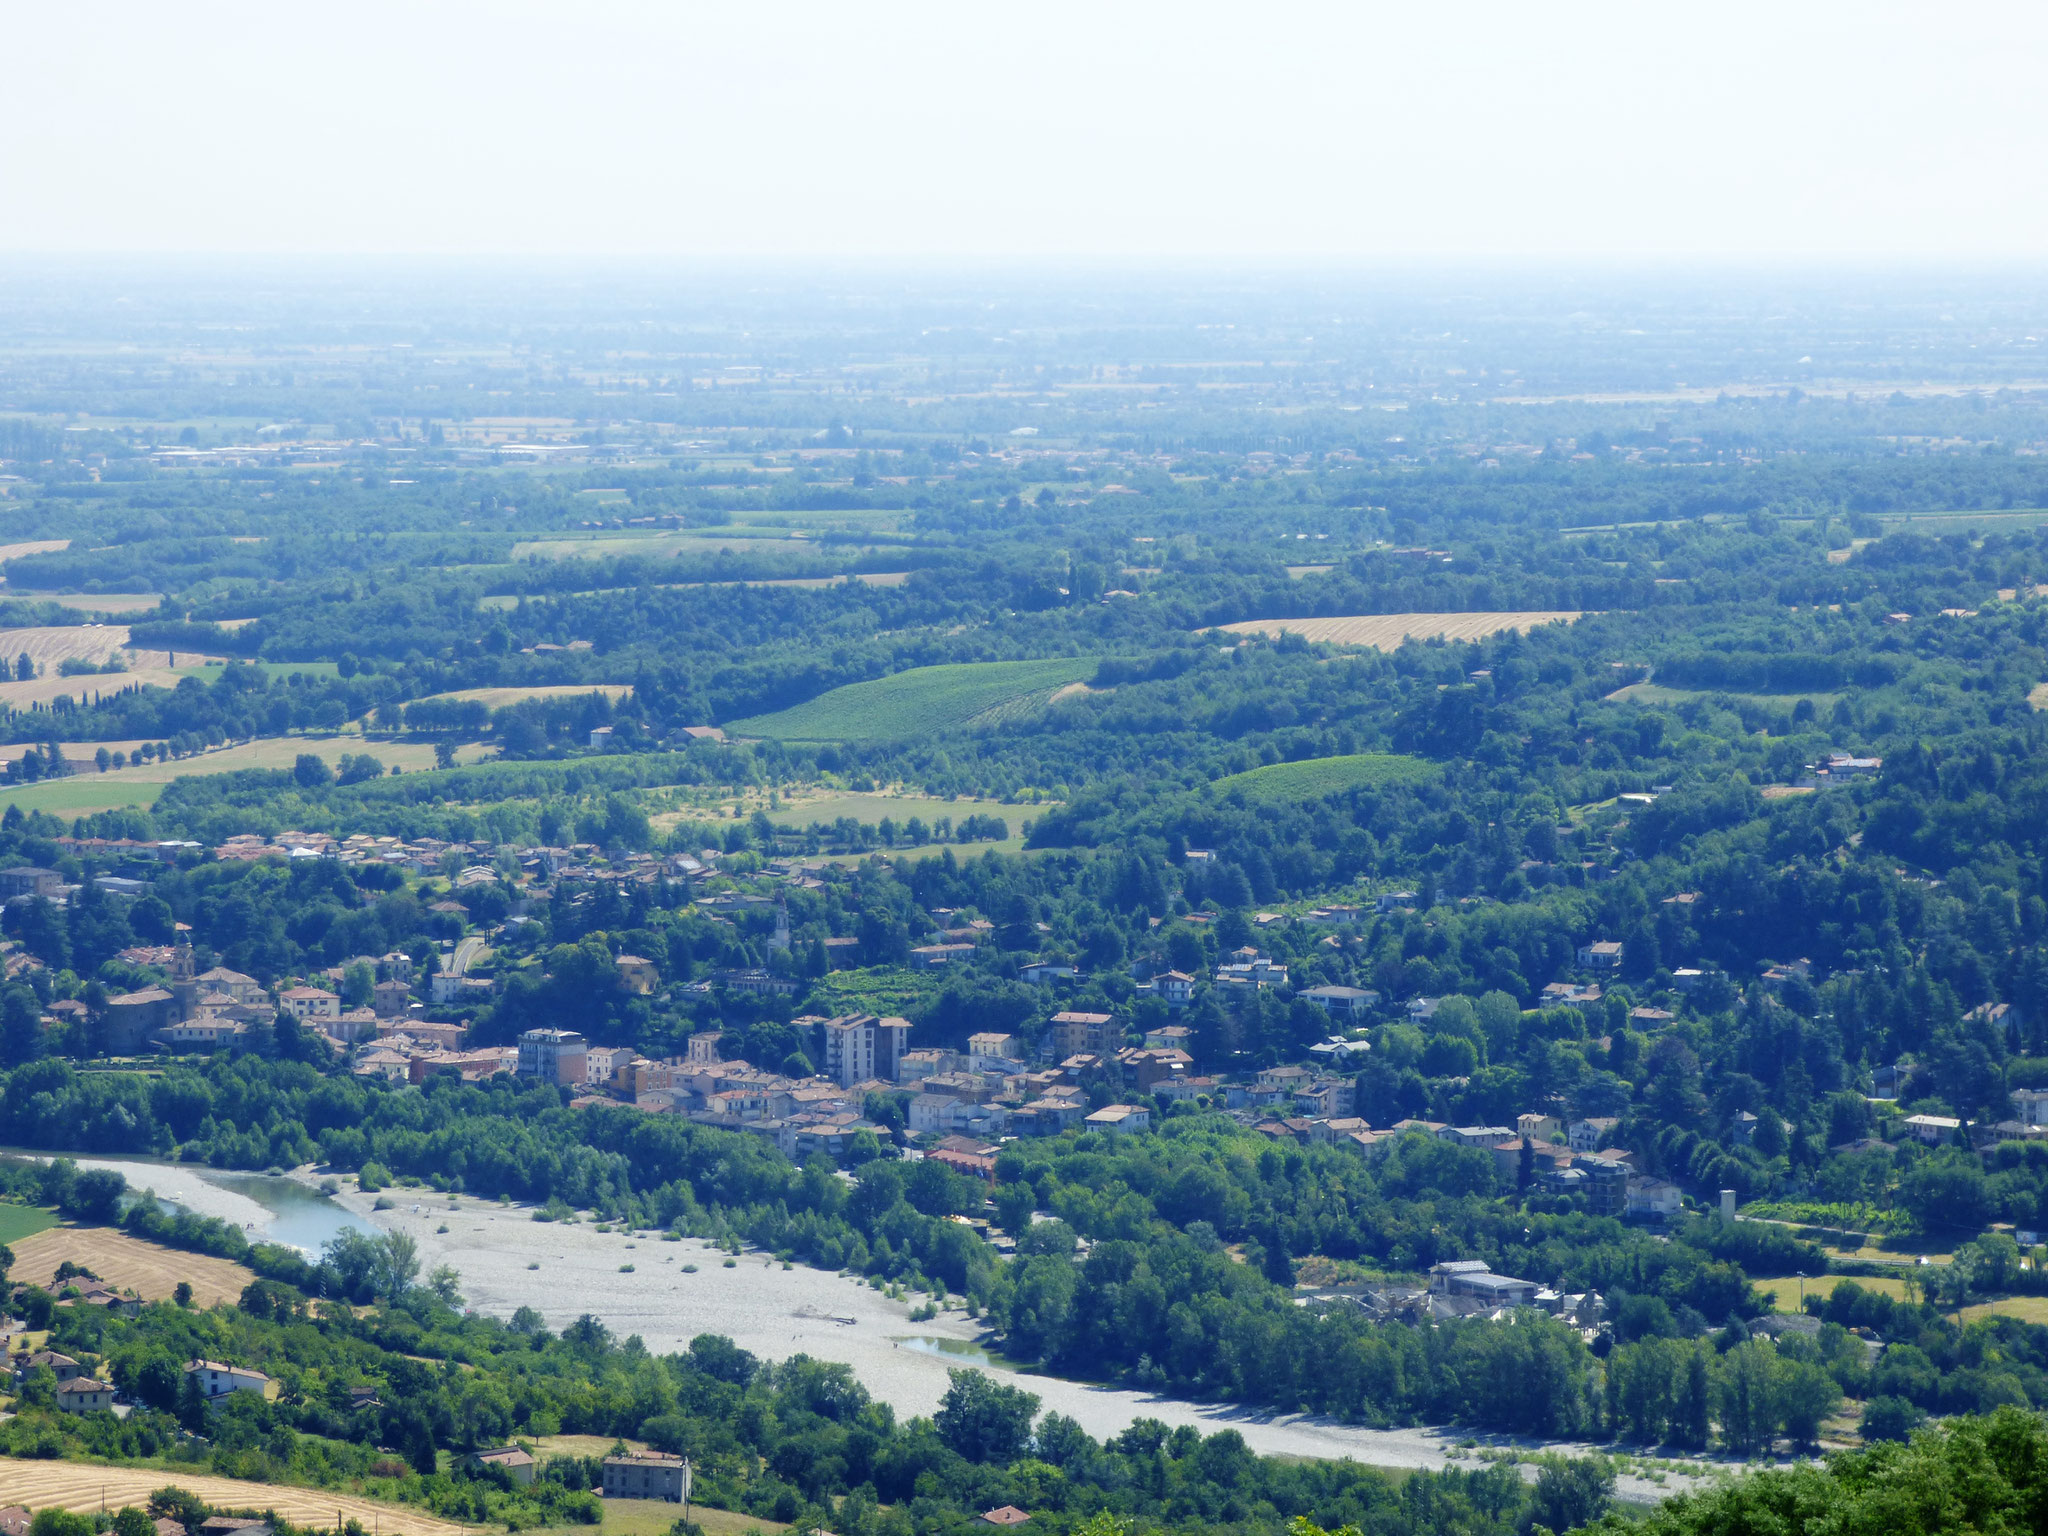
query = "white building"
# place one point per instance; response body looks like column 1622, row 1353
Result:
column 1121, row 1119
column 218, row 1380
column 310, row 1003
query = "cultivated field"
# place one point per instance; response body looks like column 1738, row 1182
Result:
column 2028, row 1309
column 1319, row 776
column 685, row 542
column 128, row 1264
column 1954, row 522
column 51, row 644
column 921, row 701
column 45, row 690
column 506, row 601
column 498, row 698
column 2038, row 695
column 89, row 790
column 1791, row 1290
column 1657, row 693
column 1386, row 631
column 872, row 808
column 20, row 1221
column 1296, row 572
column 31, row 547
column 75, row 1486
column 657, row 1517
column 87, row 602
column 865, row 578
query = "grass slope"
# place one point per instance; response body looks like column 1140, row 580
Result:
column 1658, row 694
column 921, row 701
column 139, row 785
column 1319, row 776
column 19, row 1221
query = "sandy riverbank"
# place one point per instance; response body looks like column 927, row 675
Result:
column 183, row 1184
column 776, row 1313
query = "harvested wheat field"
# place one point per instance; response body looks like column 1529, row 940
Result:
column 31, row 547
column 50, row 644
column 42, row 690
column 93, row 602
column 75, row 1486
column 128, row 1264
column 1386, row 631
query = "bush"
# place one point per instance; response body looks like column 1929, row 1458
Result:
column 1890, row 1418
column 374, row 1176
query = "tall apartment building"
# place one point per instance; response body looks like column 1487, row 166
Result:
column 555, row 1056
column 860, row 1046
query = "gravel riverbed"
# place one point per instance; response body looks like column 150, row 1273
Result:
column 508, row 1260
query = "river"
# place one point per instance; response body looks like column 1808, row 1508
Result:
column 667, row 1293
column 269, row 1208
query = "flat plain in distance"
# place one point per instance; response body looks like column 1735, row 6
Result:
column 1387, row 631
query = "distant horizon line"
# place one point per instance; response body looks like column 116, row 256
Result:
column 1420, row 262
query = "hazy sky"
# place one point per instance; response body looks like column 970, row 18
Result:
column 1095, row 129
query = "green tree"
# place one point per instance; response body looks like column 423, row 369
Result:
column 1690, row 1419
column 1571, row 1492
column 1748, row 1392
column 357, row 981
column 1946, row 1192
column 1889, row 1418
column 1806, row 1396
column 983, row 1419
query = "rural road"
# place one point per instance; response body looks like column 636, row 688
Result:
column 467, row 953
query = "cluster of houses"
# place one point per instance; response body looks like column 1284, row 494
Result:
column 965, row 1102
column 203, row 1010
column 1467, row 1288
column 79, row 1390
